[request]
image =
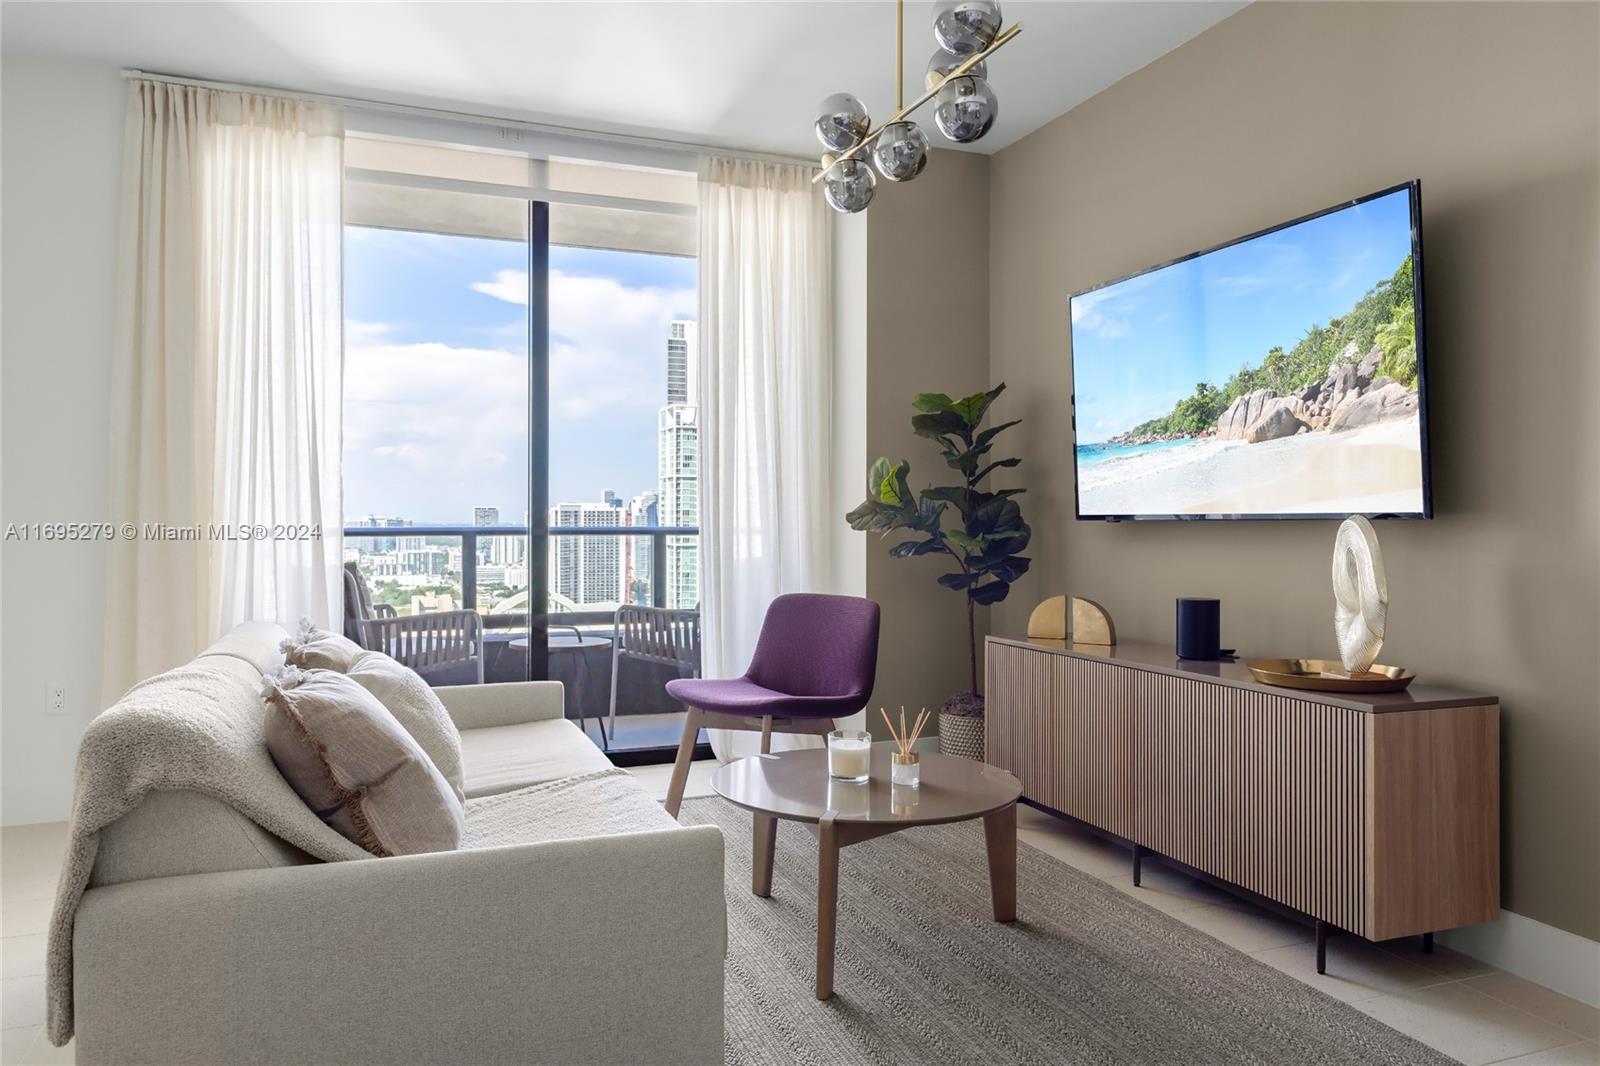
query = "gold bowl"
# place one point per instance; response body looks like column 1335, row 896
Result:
column 1328, row 675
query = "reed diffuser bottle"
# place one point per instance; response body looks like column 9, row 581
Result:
column 905, row 765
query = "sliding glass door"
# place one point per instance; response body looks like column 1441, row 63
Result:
column 521, row 434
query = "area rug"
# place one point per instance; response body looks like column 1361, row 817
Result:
column 924, row 975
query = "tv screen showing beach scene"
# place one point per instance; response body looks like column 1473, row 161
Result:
column 1277, row 376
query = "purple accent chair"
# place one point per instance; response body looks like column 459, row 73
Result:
column 815, row 661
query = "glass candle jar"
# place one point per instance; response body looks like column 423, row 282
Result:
column 905, row 769
column 847, row 799
column 849, row 755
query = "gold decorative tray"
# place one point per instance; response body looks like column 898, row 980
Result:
column 1328, row 675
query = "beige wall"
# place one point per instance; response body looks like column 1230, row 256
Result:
column 1281, row 110
column 927, row 331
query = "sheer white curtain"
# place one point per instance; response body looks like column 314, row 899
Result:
column 226, row 376
column 766, row 381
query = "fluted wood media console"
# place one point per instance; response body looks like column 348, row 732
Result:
column 1376, row 814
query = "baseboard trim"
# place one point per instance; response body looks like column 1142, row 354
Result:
column 1558, row 960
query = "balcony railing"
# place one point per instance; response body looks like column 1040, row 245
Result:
column 650, row 719
column 469, row 536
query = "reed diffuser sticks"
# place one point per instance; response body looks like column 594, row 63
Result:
column 906, row 742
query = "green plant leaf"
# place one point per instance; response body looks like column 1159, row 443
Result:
column 1007, row 568
column 931, row 402
column 996, row 465
column 964, row 542
column 994, row 515
column 909, row 548
column 872, row 517
column 879, row 474
column 889, row 491
column 959, row 495
column 959, row 581
column 993, row 592
column 902, row 490
column 972, row 408
column 994, row 431
column 938, row 424
column 927, row 517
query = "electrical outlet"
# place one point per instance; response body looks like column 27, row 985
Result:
column 56, row 700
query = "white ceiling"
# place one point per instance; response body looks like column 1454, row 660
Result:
column 738, row 75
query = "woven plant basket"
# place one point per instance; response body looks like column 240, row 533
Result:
column 961, row 735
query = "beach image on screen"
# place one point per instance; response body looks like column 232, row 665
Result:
column 1276, row 376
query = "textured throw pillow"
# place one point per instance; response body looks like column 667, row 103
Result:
column 312, row 648
column 413, row 703
column 356, row 766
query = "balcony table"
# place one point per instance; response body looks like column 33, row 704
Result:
column 566, row 641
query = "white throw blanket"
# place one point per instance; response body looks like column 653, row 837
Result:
column 190, row 728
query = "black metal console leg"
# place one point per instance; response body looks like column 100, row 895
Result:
column 1138, row 865
column 1427, row 943
column 1322, row 946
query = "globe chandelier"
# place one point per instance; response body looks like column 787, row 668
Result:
column 968, row 33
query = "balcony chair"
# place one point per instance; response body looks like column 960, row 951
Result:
column 815, row 660
column 652, row 635
column 444, row 647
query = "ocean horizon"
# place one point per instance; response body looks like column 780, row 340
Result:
column 1090, row 454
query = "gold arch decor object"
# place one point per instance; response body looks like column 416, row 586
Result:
column 1087, row 623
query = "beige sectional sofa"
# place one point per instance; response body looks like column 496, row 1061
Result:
column 579, row 924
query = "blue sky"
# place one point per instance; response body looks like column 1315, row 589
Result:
column 1141, row 345
column 436, row 372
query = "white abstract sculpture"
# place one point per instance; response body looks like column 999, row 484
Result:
column 1360, row 593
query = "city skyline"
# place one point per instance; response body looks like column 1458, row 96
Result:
column 582, row 571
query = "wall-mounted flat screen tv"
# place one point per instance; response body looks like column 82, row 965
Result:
column 1280, row 375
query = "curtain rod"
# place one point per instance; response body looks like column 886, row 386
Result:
column 549, row 129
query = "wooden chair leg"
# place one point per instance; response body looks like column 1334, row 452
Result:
column 680, row 767
column 766, row 734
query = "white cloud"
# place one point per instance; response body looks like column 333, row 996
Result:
column 1353, row 268
column 508, row 285
column 603, row 336
column 449, row 423
column 433, row 410
column 1239, row 284
column 1104, row 312
column 364, row 332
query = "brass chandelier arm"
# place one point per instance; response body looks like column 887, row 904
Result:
column 901, row 113
column 899, row 54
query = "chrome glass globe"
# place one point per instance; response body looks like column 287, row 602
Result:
column 965, row 27
column 942, row 63
column 965, row 109
column 843, row 123
column 900, row 151
column 849, row 186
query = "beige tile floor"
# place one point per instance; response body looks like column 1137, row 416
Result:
column 1467, row 1010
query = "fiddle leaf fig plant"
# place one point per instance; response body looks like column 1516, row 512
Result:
column 982, row 531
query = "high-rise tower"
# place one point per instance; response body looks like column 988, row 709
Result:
column 683, row 357
column 678, row 465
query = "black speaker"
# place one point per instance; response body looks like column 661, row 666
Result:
column 1199, row 629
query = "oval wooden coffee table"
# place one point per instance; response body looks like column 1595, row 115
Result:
column 795, row 786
